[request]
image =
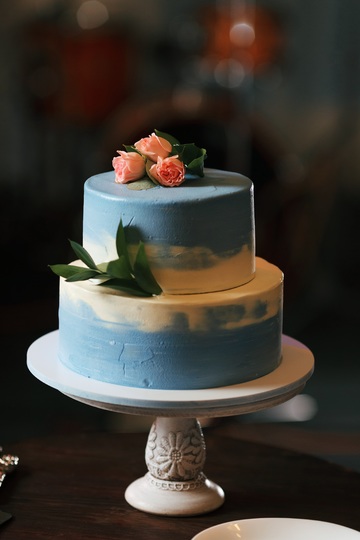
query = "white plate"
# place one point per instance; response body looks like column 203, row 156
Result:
column 278, row 529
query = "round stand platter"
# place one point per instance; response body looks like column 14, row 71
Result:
column 175, row 452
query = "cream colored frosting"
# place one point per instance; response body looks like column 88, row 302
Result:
column 185, row 278
column 156, row 313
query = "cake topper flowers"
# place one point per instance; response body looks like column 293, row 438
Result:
column 120, row 274
column 161, row 158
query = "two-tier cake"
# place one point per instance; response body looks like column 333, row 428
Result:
column 169, row 293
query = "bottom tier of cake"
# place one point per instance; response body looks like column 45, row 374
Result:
column 173, row 341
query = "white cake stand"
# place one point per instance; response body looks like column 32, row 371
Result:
column 175, row 484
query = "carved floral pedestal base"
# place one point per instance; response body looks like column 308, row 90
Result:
column 175, row 484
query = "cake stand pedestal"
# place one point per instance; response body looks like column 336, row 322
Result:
column 175, row 484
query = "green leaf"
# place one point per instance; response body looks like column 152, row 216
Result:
column 172, row 140
column 189, row 152
column 125, row 285
column 65, row 270
column 121, row 246
column 131, row 148
column 73, row 273
column 196, row 166
column 148, row 166
column 83, row 255
column 119, row 268
column 84, row 275
column 140, row 185
column 143, row 274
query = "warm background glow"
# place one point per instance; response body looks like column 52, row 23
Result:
column 270, row 88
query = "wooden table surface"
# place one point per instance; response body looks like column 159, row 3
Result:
column 73, row 488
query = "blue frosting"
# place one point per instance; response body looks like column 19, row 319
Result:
column 174, row 358
column 214, row 212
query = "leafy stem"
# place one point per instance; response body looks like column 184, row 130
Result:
column 120, row 274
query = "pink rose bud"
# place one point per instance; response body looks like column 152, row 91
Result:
column 169, row 171
column 129, row 166
column 154, row 147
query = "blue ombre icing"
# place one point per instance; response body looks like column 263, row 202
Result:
column 199, row 236
column 173, row 341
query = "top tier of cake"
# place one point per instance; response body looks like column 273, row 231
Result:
column 199, row 237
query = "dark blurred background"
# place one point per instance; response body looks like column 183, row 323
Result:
column 272, row 89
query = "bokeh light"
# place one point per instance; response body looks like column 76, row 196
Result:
column 92, row 14
column 229, row 73
column 242, row 34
